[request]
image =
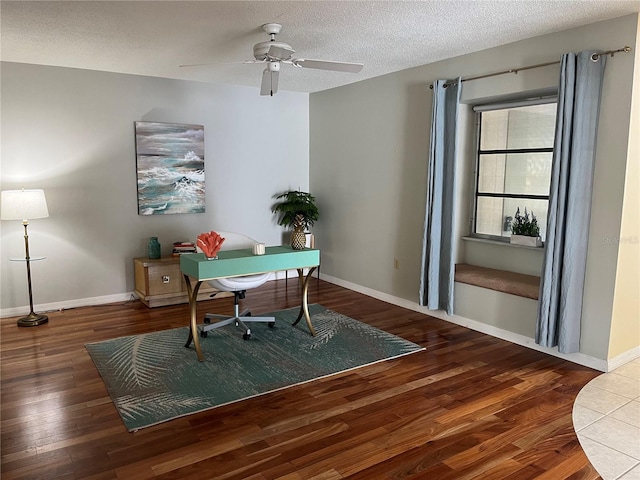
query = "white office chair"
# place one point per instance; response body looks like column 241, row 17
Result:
column 238, row 286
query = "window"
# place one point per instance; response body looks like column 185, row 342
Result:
column 513, row 165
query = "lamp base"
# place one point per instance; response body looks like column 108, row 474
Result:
column 33, row 320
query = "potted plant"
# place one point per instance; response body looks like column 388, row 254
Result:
column 525, row 229
column 298, row 210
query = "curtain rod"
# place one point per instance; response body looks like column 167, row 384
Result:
column 594, row 58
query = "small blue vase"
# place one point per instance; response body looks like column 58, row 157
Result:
column 153, row 249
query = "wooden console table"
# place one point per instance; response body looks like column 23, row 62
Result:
column 236, row 263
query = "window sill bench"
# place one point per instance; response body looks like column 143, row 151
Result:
column 518, row 284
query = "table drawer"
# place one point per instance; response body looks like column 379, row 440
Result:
column 164, row 279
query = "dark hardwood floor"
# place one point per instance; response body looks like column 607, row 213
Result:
column 468, row 407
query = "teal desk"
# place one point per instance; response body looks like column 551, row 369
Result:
column 236, row 263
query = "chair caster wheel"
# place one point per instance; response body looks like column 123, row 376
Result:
column 203, row 334
column 246, row 336
column 272, row 324
column 207, row 320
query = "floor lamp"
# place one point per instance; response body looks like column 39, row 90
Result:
column 24, row 205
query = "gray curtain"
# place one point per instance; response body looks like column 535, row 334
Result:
column 437, row 270
column 565, row 256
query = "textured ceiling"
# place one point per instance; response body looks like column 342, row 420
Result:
column 154, row 37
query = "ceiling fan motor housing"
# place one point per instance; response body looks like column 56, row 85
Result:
column 260, row 49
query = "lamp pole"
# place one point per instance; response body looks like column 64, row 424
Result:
column 33, row 319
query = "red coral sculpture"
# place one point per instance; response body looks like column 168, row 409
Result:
column 210, row 243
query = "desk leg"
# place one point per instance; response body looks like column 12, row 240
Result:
column 193, row 304
column 304, row 308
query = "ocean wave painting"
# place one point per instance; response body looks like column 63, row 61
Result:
column 170, row 166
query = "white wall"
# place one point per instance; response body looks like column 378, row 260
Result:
column 71, row 133
column 369, row 146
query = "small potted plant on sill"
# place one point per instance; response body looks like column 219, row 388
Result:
column 525, row 230
column 298, row 210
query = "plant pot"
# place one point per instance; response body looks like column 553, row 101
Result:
column 525, row 240
column 298, row 240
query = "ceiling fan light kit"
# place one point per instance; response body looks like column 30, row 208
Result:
column 275, row 53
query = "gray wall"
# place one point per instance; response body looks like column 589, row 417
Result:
column 369, row 147
column 71, row 133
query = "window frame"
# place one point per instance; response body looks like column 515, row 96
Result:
column 478, row 110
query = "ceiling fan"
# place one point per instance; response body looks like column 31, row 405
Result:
column 274, row 53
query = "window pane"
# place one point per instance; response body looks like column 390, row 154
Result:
column 491, row 173
column 490, row 216
column 494, row 215
column 515, row 173
column 521, row 127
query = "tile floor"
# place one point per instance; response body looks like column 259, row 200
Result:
column 606, row 417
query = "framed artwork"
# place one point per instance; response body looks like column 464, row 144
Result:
column 170, row 168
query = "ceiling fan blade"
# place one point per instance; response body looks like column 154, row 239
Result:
column 280, row 52
column 328, row 65
column 221, row 63
column 269, row 82
column 196, row 65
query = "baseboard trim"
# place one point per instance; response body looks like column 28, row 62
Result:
column 67, row 304
column 89, row 301
column 623, row 358
column 579, row 358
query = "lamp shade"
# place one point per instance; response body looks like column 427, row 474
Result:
column 23, row 205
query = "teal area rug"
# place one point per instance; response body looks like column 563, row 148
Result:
column 153, row 378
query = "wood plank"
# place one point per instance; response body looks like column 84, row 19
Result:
column 469, row 406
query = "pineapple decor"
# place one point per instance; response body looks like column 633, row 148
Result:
column 298, row 210
column 298, row 238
